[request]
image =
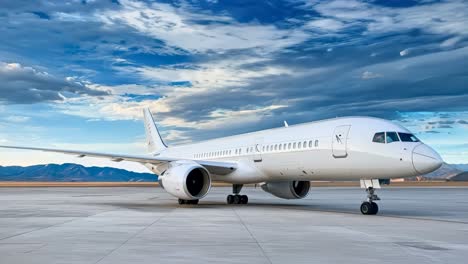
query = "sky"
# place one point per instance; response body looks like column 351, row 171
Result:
column 76, row 74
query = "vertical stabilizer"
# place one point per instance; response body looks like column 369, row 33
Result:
column 154, row 141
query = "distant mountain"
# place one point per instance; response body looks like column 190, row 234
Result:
column 445, row 172
column 451, row 172
column 462, row 167
column 69, row 172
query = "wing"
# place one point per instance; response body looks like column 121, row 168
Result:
column 215, row 167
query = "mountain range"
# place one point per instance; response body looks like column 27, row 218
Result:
column 69, row 172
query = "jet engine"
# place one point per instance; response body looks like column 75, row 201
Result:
column 287, row 190
column 186, row 180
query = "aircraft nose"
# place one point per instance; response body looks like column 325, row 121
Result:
column 425, row 159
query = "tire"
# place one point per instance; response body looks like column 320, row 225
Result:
column 244, row 199
column 194, row 201
column 181, row 201
column 375, row 208
column 236, row 199
column 230, row 199
column 366, row 208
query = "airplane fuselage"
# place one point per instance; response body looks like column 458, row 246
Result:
column 333, row 149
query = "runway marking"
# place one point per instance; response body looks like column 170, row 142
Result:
column 133, row 236
column 54, row 225
column 252, row 236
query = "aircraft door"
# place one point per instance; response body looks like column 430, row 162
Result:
column 339, row 143
column 257, row 157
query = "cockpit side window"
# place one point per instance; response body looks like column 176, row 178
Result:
column 407, row 137
column 392, row 137
column 379, row 137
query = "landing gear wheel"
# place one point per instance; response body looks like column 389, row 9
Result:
column 236, row 199
column 366, row 208
column 230, row 199
column 244, row 199
column 375, row 208
column 369, row 208
column 182, row 201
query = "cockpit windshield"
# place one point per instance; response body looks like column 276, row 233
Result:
column 389, row 137
column 407, row 137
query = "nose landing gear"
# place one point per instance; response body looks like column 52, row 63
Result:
column 236, row 198
column 369, row 207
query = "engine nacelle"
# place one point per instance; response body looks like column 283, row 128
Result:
column 186, row 180
column 288, row 190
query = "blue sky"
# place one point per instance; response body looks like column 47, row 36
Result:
column 76, row 74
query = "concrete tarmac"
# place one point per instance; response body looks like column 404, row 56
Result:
column 146, row 225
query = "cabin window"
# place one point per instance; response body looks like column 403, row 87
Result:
column 294, row 145
column 310, row 143
column 379, row 137
column 289, row 146
column 275, row 147
column 407, row 137
column 304, row 145
column 392, row 137
column 298, row 145
column 284, row 146
column 316, row 143
column 240, row 151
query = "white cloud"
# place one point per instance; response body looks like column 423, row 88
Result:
column 325, row 24
column 450, row 42
column 177, row 28
column 370, row 75
column 404, row 52
column 449, row 17
column 17, row 119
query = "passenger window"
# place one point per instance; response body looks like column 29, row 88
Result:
column 316, row 143
column 294, row 145
column 304, row 145
column 276, row 147
column 298, row 145
column 407, row 137
column 310, row 143
column 289, row 146
column 379, row 137
column 279, row 148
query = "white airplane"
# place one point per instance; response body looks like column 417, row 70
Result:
column 284, row 160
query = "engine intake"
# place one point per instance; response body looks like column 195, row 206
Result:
column 288, row 190
column 186, row 180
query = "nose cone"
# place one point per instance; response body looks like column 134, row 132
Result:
column 425, row 159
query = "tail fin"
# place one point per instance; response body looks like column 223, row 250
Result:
column 154, row 141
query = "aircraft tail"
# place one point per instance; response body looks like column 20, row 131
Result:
column 154, row 141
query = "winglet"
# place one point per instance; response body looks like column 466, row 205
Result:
column 154, row 141
column 286, row 124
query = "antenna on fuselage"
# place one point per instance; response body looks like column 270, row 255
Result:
column 286, row 124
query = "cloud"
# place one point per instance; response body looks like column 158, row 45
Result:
column 450, row 42
column 179, row 28
column 17, row 119
column 24, row 85
column 370, row 75
column 404, row 52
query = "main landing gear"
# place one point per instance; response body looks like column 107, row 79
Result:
column 237, row 198
column 369, row 207
column 182, row 201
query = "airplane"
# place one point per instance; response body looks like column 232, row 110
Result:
column 283, row 160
